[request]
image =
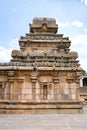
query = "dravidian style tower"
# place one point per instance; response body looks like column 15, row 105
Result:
column 43, row 76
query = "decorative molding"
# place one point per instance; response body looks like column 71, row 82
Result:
column 10, row 73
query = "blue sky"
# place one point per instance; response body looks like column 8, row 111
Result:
column 70, row 15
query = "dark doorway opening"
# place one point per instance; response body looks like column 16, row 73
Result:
column 85, row 82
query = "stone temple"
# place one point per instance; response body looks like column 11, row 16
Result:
column 43, row 76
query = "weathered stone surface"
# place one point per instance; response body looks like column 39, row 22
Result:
column 43, row 75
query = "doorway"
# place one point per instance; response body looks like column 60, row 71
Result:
column 45, row 92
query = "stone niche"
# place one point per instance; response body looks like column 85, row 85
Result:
column 43, row 76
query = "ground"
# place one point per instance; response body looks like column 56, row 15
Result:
column 44, row 121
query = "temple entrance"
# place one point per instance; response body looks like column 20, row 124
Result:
column 45, row 92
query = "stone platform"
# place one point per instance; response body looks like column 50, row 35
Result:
column 44, row 122
column 40, row 107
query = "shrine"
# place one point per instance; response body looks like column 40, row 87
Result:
column 44, row 75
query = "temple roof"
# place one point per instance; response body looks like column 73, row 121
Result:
column 43, row 25
column 42, row 47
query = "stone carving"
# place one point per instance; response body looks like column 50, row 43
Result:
column 56, row 38
column 63, row 45
column 16, row 52
column 43, row 25
column 43, row 76
column 73, row 55
column 10, row 73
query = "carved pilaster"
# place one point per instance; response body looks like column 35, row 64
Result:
column 33, row 81
column 37, row 91
column 11, row 87
column 56, row 89
column 70, row 81
column 77, row 89
column 2, row 90
column 33, row 90
column 20, row 82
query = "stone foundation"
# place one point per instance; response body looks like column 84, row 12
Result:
column 40, row 107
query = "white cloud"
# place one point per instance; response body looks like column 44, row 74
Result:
column 86, row 30
column 79, row 44
column 14, row 43
column 77, row 24
column 80, row 39
column 84, row 1
column 5, row 53
column 63, row 25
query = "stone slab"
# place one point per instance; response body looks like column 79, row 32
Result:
column 44, row 121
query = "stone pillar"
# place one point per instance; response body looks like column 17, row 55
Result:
column 34, row 81
column 11, row 88
column 11, row 79
column 72, row 89
column 20, row 82
column 70, row 80
column 57, row 95
column 77, row 89
column 37, row 91
column 33, row 90
column 5, row 90
column 41, row 91
column 2, row 90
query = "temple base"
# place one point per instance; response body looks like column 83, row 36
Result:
column 60, row 107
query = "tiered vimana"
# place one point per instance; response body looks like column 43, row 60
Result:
column 43, row 76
